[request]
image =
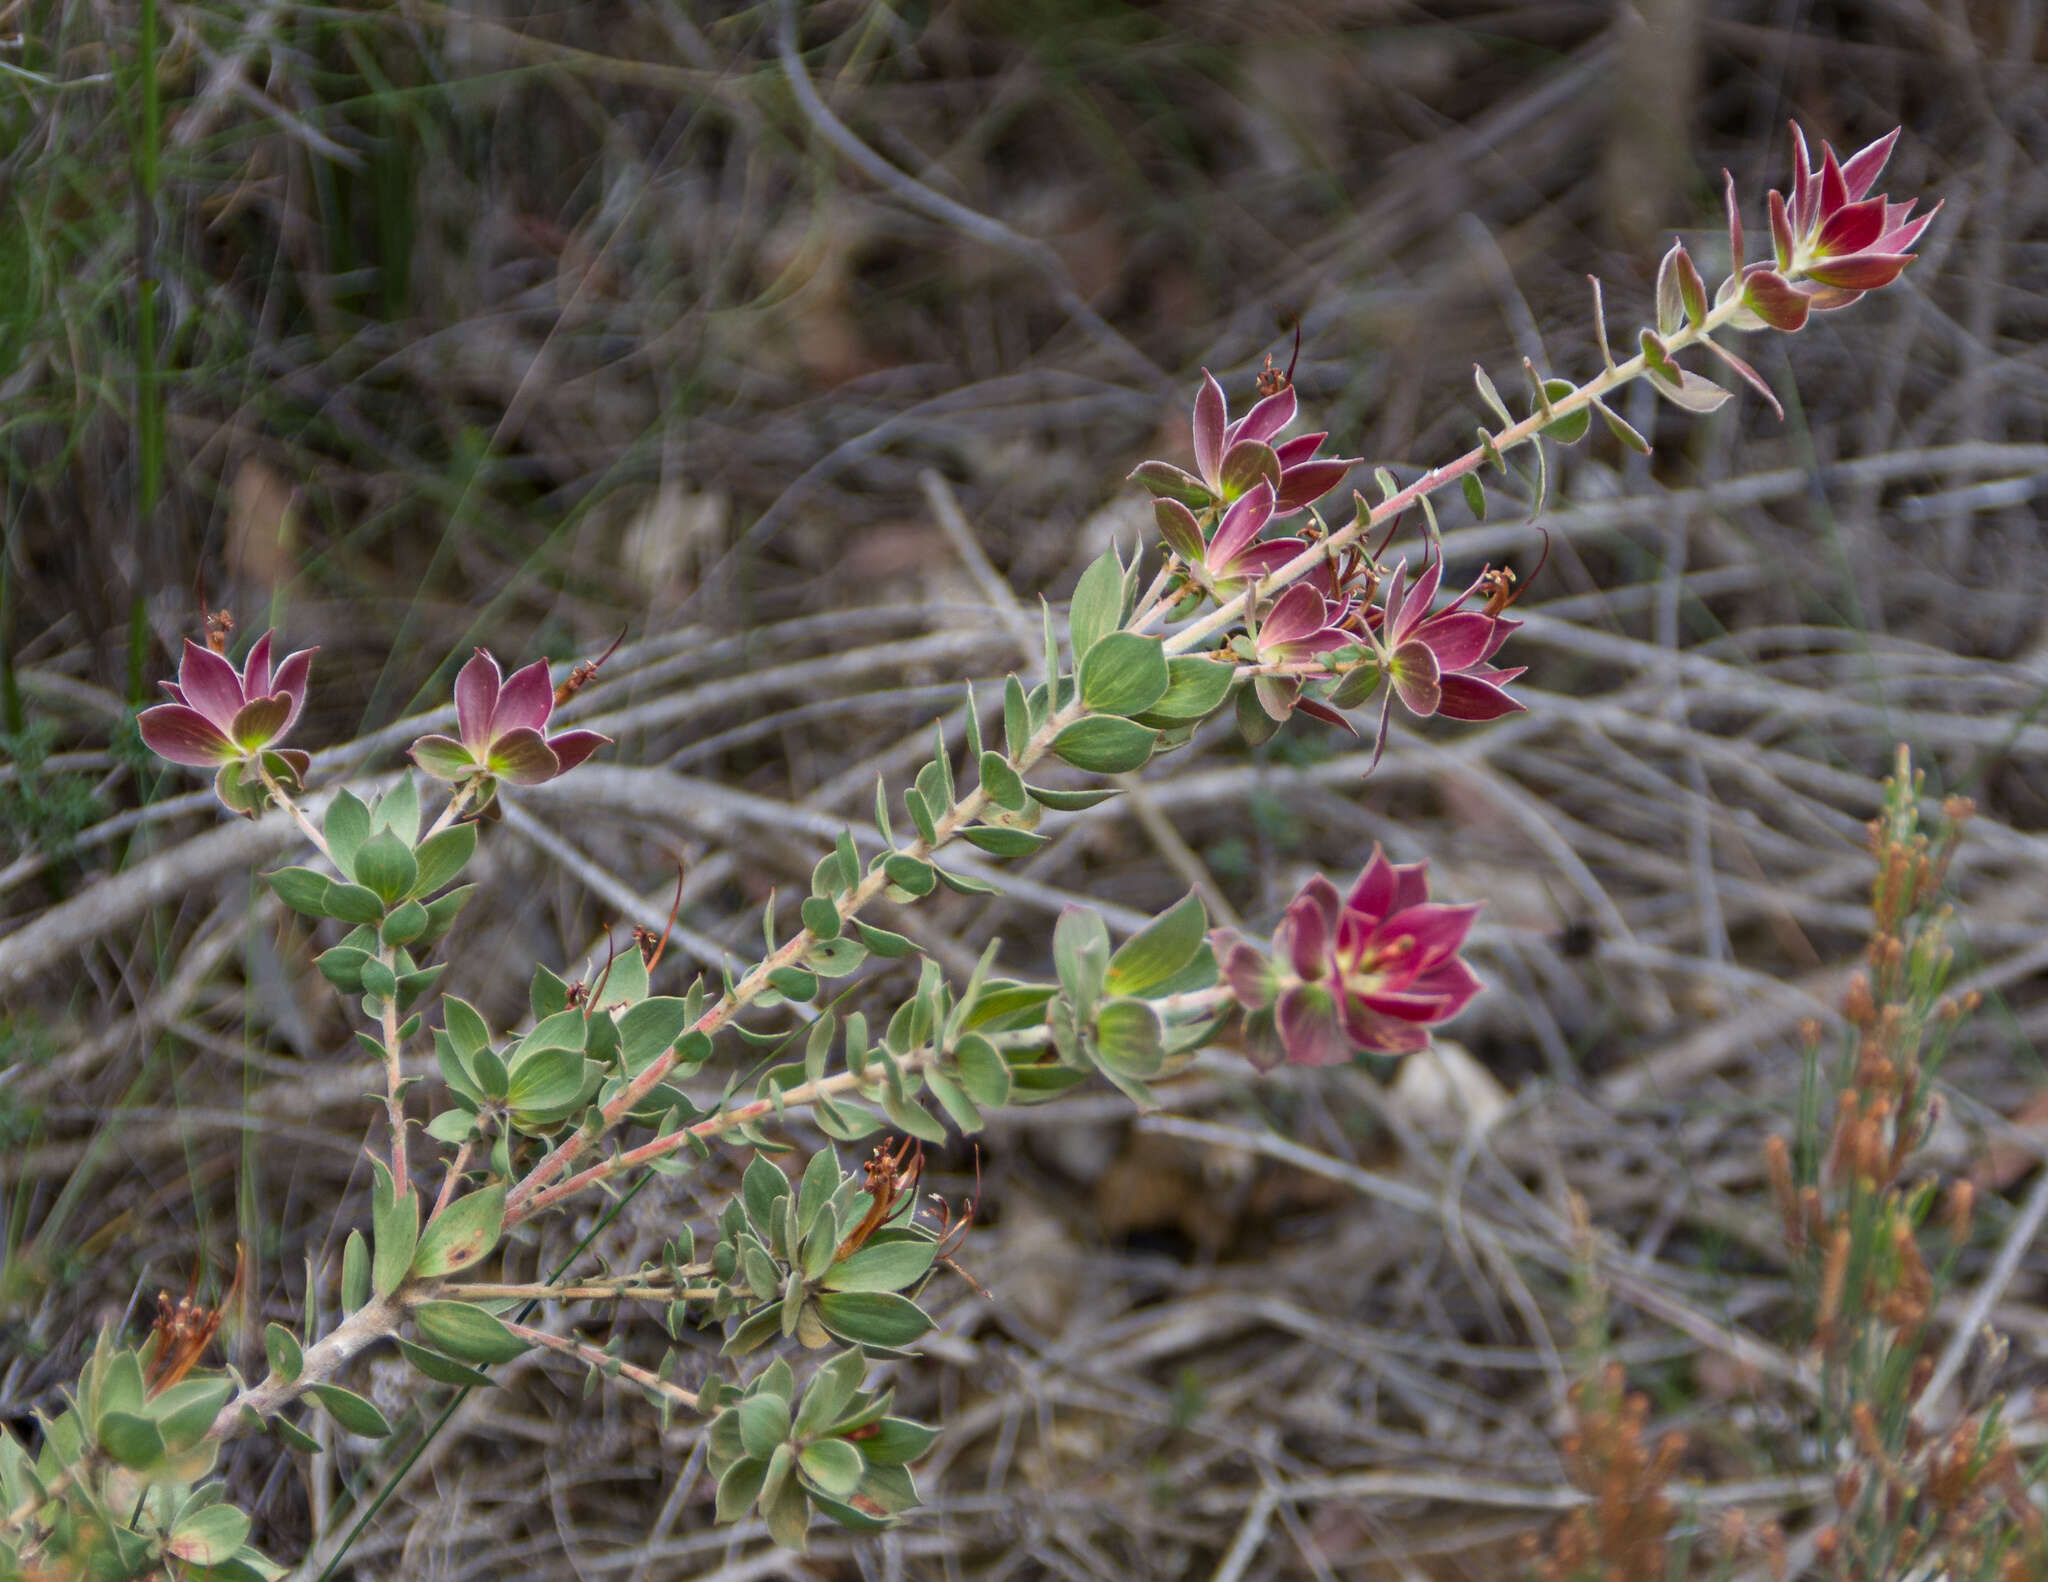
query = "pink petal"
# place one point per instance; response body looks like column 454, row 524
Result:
column 1266, row 418
column 1242, row 523
column 1372, row 897
column 1397, row 584
column 1299, row 612
column 1177, row 526
column 1784, row 243
column 1459, row 641
column 1859, row 271
column 1276, row 695
column 256, row 669
column 443, row 757
column 1265, row 558
column 523, row 758
column 1734, row 220
column 185, row 736
column 572, row 747
column 1309, row 1028
column 1899, row 233
column 172, row 689
column 210, row 684
column 1306, row 931
column 476, row 699
column 525, row 701
column 1417, row 679
column 1834, row 192
column 1766, row 294
column 257, row 722
column 1437, row 929
column 1803, row 186
column 1469, row 698
column 1411, row 886
column 1323, row 712
column 1210, row 411
column 1294, row 452
column 291, row 679
column 1852, row 228
column 1381, row 1035
column 1452, row 981
column 1306, row 482
column 1247, row 972
column 1862, row 168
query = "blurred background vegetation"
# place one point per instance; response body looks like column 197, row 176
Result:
column 809, row 351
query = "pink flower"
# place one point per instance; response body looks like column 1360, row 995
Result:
column 1301, row 625
column 1370, row 972
column 501, row 722
column 1831, row 243
column 1437, row 661
column 1231, row 457
column 221, row 715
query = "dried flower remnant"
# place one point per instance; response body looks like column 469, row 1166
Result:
column 1369, row 972
column 1624, row 1531
column 501, row 722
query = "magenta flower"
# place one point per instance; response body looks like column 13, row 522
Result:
column 1302, row 625
column 1831, row 243
column 501, row 724
column 221, row 715
column 1236, row 554
column 1371, row 972
column 1231, row 457
column 1437, row 661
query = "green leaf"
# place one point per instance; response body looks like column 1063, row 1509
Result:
column 1016, row 719
column 1623, row 430
column 395, row 1226
column 649, row 1028
column 784, row 1505
column 452, row 1126
column 352, row 903
column 1080, row 953
column 1195, row 689
column 461, row 1234
column 1005, row 787
column 281, row 1347
column 441, row 857
column 793, row 983
column 1571, row 428
column 131, row 1439
column 885, row 1266
column 185, row 1411
column 385, row 864
column 441, row 914
column 909, row 874
column 1098, row 603
column 346, row 827
column 1129, row 1038
column 953, row 1100
column 209, row 1535
column 1071, row 801
column 407, row 922
column 872, row 1318
column 739, row 1487
column 764, row 1423
column 295, row 1437
column 1124, row 674
column 896, row 1440
column 1159, row 949
column 821, row 917
column 347, row 1408
column 918, row 806
column 398, row 810
column 1002, row 842
column 1475, row 495
column 982, row 1071
column 1105, row 744
column 443, row 1370
column 546, row 1080
column 1491, row 396
column 881, row 942
column 762, row 1189
column 466, row 1332
column 304, row 890
column 355, row 1272
column 834, row 1465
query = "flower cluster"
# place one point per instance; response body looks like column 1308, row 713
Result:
column 1368, row 972
column 219, row 714
column 501, row 723
column 1231, row 458
column 1830, row 243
